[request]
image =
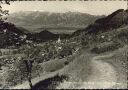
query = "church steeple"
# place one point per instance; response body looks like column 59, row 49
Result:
column 59, row 41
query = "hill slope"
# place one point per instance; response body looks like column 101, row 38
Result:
column 10, row 35
column 87, row 71
column 108, row 23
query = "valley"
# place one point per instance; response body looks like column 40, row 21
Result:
column 89, row 57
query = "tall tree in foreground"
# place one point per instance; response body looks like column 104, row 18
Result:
column 29, row 60
column 3, row 12
column 31, row 54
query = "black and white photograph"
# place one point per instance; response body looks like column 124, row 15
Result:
column 61, row 44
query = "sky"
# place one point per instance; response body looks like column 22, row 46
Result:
column 90, row 7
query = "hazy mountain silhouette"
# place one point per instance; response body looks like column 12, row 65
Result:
column 29, row 19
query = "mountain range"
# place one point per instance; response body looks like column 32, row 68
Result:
column 34, row 20
column 103, row 24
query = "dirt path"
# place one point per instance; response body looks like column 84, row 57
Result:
column 103, row 75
